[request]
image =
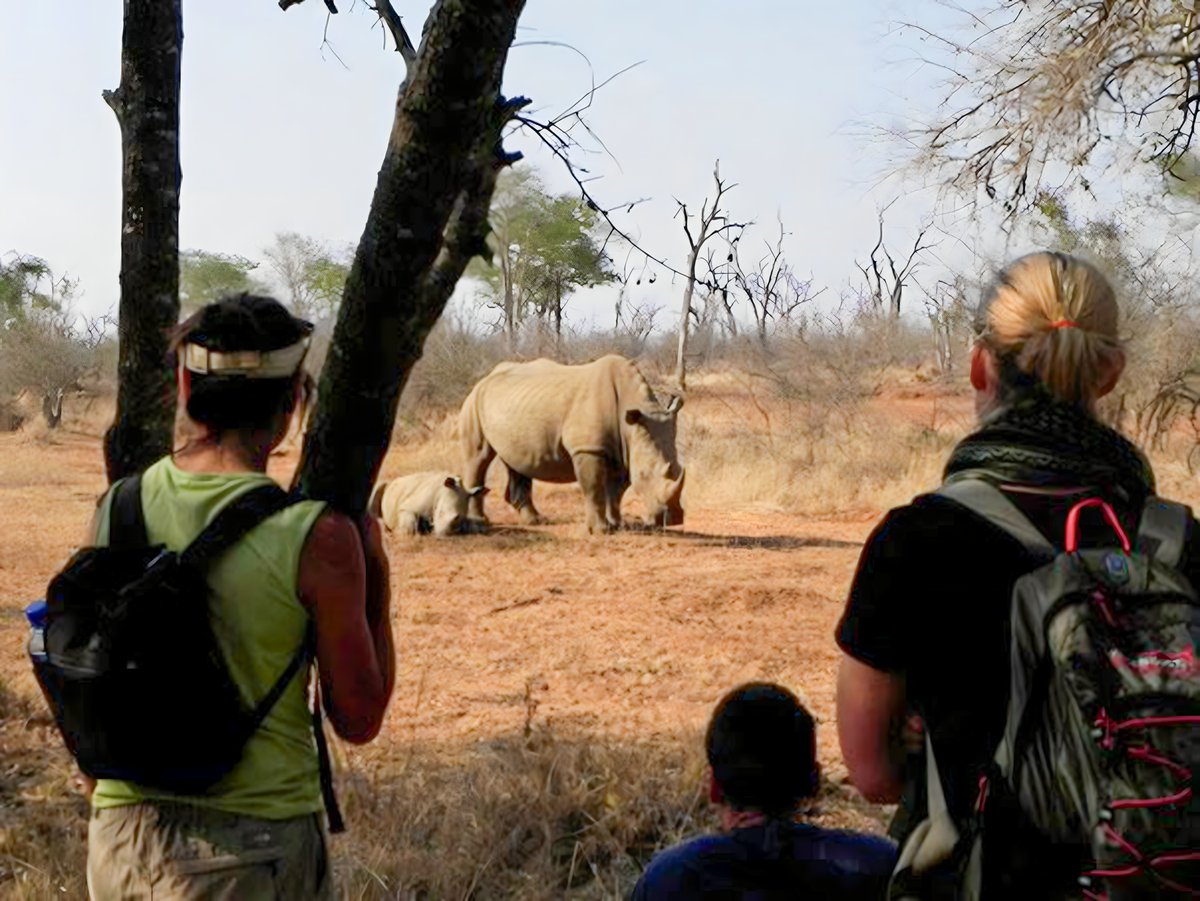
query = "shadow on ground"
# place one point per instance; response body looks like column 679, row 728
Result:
column 752, row 542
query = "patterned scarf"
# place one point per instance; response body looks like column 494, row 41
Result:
column 1037, row 440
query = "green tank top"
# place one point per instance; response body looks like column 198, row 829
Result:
column 259, row 624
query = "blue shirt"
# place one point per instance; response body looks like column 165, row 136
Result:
column 771, row 862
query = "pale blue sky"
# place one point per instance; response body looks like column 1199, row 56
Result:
column 278, row 136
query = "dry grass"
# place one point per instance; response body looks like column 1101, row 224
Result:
column 552, row 687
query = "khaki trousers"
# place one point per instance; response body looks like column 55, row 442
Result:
column 178, row 852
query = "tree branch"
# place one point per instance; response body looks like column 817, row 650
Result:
column 285, row 5
column 466, row 232
column 430, row 196
column 390, row 18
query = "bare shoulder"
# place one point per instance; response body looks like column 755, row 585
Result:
column 333, row 548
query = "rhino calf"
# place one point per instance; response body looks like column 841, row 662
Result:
column 424, row 502
column 598, row 424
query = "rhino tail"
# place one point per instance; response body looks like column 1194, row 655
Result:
column 375, row 506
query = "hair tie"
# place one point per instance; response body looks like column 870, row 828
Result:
column 1063, row 323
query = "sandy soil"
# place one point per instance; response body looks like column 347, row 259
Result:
column 634, row 635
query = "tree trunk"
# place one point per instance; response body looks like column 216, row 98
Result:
column 427, row 219
column 506, row 277
column 147, row 107
column 52, row 404
column 558, row 321
column 685, row 312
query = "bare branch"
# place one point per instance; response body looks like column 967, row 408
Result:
column 889, row 285
column 1042, row 82
column 285, row 5
column 390, row 18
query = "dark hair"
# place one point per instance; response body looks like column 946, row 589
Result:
column 761, row 745
column 240, row 322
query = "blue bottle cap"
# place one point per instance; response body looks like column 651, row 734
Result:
column 36, row 613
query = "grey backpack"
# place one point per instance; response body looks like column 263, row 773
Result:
column 1102, row 735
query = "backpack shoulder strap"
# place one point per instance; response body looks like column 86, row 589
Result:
column 1163, row 530
column 333, row 811
column 934, row 840
column 239, row 517
column 986, row 500
column 126, row 520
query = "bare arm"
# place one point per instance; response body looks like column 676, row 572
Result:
column 871, row 706
column 347, row 592
column 379, row 599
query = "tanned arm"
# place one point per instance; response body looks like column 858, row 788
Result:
column 871, row 707
column 346, row 589
column 379, row 599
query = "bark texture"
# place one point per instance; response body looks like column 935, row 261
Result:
column 147, row 107
column 428, row 218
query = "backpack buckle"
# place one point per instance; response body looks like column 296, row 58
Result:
column 1103, row 730
column 1116, row 567
column 982, row 797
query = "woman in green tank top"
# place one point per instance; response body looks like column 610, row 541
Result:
column 259, row 832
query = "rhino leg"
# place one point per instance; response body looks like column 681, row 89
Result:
column 614, row 491
column 407, row 523
column 475, row 467
column 592, row 473
column 519, row 493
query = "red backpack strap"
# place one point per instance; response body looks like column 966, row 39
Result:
column 1071, row 541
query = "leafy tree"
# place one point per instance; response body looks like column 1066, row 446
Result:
column 29, row 289
column 310, row 272
column 205, row 276
column 513, row 212
column 45, row 348
column 543, row 248
column 569, row 257
column 1038, row 83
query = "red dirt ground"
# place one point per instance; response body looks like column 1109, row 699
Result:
column 635, row 634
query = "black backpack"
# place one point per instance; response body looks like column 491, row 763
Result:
column 1102, row 741
column 131, row 668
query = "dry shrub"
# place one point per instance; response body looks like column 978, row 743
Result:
column 754, row 449
column 455, row 357
column 526, row 816
column 804, row 424
column 43, row 820
column 1159, row 395
column 532, row 816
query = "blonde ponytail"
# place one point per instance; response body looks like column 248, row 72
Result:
column 1055, row 318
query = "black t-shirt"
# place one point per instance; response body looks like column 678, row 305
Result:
column 931, row 601
column 777, row 861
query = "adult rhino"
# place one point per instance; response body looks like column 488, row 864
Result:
column 598, row 424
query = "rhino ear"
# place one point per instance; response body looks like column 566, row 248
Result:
column 674, row 404
column 452, row 482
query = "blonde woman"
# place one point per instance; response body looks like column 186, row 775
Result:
column 925, row 630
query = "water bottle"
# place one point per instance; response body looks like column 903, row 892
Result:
column 36, row 614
